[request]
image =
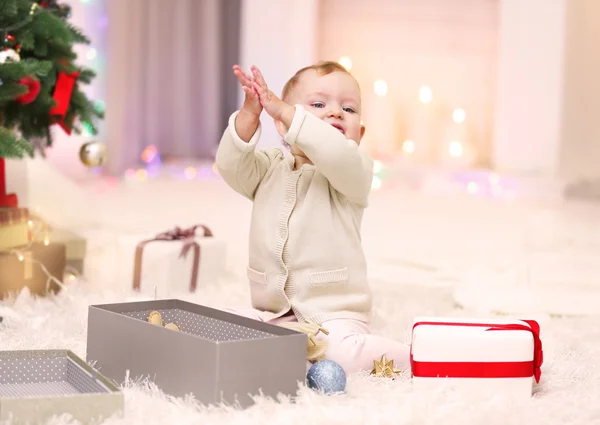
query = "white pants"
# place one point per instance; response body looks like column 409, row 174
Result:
column 350, row 343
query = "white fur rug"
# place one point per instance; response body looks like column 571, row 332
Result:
column 418, row 247
column 568, row 393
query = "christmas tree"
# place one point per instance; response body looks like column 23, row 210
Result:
column 40, row 81
column 40, row 85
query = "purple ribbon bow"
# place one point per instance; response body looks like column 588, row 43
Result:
column 176, row 234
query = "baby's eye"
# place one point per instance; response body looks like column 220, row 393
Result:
column 318, row 105
column 350, row 110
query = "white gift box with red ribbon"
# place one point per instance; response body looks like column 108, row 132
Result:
column 483, row 356
column 169, row 263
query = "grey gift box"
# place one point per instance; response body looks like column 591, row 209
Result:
column 218, row 357
column 38, row 384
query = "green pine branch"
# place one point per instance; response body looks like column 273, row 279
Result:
column 8, row 8
column 12, row 146
column 11, row 91
column 86, row 75
column 78, row 36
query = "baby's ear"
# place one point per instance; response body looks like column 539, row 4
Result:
column 362, row 132
column 280, row 128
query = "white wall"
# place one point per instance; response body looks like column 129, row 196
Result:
column 450, row 45
column 279, row 37
column 549, row 89
column 580, row 132
column 530, row 85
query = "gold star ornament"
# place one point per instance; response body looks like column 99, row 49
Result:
column 384, row 368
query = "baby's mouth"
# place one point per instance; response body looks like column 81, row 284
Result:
column 339, row 127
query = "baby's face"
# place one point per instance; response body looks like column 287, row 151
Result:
column 334, row 98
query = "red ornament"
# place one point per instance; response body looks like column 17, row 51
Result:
column 10, row 38
column 62, row 96
column 33, row 85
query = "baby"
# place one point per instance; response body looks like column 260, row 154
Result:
column 306, row 262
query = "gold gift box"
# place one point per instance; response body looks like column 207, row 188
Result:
column 23, row 268
column 14, row 227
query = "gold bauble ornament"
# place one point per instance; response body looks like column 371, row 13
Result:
column 155, row 318
column 93, row 154
column 172, row 326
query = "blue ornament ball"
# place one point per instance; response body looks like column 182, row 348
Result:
column 327, row 377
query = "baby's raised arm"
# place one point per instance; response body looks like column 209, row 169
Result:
column 348, row 168
column 238, row 162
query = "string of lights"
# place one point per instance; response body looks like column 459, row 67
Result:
column 39, row 229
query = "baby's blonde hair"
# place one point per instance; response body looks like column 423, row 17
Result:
column 322, row 68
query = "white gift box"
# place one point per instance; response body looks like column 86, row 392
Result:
column 169, row 263
column 483, row 357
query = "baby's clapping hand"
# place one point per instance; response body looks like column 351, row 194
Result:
column 273, row 105
column 252, row 102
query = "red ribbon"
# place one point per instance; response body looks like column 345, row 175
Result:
column 177, row 234
column 523, row 369
column 7, row 200
column 62, row 96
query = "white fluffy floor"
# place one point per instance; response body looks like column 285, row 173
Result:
column 421, row 245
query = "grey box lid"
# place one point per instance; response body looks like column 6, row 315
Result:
column 38, row 384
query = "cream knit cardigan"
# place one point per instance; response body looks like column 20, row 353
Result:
column 305, row 244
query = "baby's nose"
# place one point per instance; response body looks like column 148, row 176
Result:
column 334, row 111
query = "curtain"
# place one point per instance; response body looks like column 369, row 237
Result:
column 169, row 79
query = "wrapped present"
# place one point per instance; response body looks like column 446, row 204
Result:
column 76, row 247
column 487, row 356
column 14, row 227
column 27, row 267
column 171, row 262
